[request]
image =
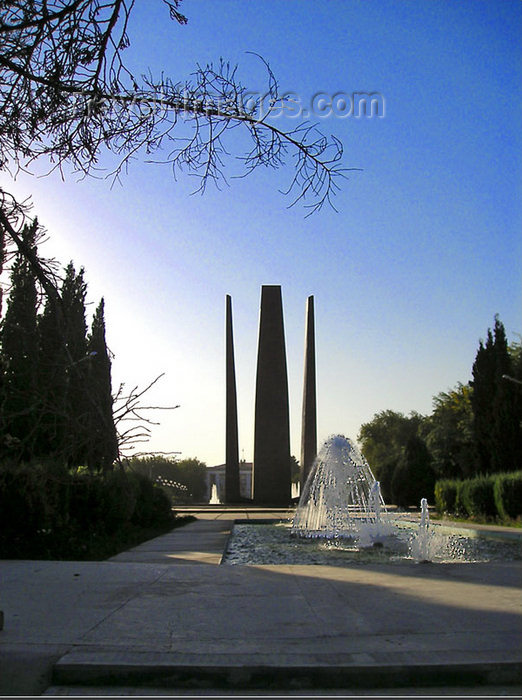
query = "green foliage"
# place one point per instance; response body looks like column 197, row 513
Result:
column 483, row 497
column 193, row 474
column 47, row 511
column 506, row 433
column 76, row 437
column 19, row 359
column 120, row 499
column 52, row 383
column 474, row 429
column 508, row 494
column 55, row 396
column 102, row 446
column 87, row 502
column 476, row 497
column 413, row 477
column 446, row 491
column 183, row 480
column 23, row 503
column 484, row 386
column 449, row 433
column 497, row 405
column 153, row 506
column 383, row 441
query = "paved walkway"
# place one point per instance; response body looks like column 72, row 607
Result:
column 200, row 542
column 166, row 614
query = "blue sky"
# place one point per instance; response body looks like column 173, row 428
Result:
column 425, row 249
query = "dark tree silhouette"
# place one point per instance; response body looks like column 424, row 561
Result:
column 506, row 434
column 103, row 444
column 413, row 477
column 484, row 385
column 63, row 374
column 19, row 400
column 78, row 401
column 496, row 406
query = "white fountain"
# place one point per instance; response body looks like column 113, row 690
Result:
column 214, row 498
column 420, row 543
column 342, row 518
column 341, row 498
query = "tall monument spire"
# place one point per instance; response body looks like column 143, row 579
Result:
column 232, row 494
column 309, row 418
column 272, row 472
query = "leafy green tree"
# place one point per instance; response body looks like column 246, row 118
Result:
column 382, row 441
column 19, row 358
column 186, row 479
column 193, row 474
column 413, row 477
column 449, row 433
column 102, row 449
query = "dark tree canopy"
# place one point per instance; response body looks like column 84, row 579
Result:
column 19, row 355
column 103, row 444
column 55, row 384
column 413, row 477
column 496, row 405
column 449, row 433
column 383, row 440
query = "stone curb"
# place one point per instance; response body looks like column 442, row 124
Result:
column 119, row 669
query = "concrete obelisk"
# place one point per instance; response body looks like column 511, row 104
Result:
column 309, row 418
column 232, row 494
column 272, row 472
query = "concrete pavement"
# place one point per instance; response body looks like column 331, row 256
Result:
column 166, row 614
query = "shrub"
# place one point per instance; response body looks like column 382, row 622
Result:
column 476, row 496
column 86, row 502
column 164, row 515
column 508, row 494
column 45, row 511
column 23, row 506
column 120, row 496
column 153, row 506
column 446, row 495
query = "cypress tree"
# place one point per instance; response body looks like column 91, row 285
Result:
column 74, row 291
column 506, row 437
column 484, row 385
column 496, row 406
column 103, row 443
column 63, row 373
column 19, row 358
column 52, row 382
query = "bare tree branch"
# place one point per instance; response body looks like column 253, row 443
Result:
column 128, row 408
column 66, row 94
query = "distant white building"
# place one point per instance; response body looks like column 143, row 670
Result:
column 216, row 475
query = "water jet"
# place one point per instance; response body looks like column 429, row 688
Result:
column 343, row 520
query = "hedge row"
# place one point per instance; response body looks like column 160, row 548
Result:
column 41, row 505
column 497, row 495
